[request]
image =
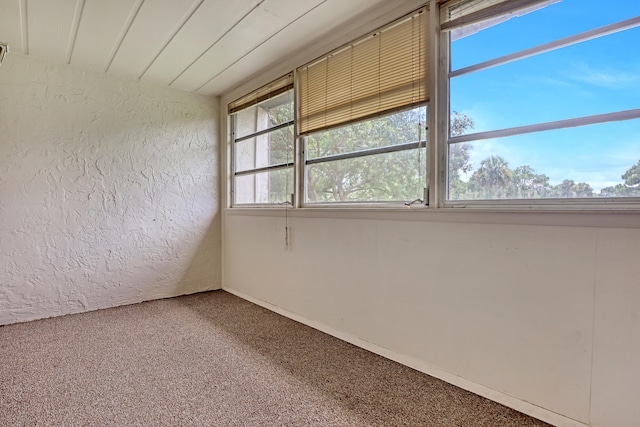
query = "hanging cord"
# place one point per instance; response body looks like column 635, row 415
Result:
column 286, row 223
column 418, row 200
column 286, row 209
column 420, row 149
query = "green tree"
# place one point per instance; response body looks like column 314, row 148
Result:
column 402, row 175
column 492, row 180
column 527, row 184
column 281, row 143
column 630, row 187
column 620, row 190
column 386, row 177
column 459, row 155
column 570, row 189
column 632, row 176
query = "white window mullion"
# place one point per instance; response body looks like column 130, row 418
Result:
column 439, row 113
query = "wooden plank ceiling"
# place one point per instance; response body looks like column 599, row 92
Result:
column 203, row 46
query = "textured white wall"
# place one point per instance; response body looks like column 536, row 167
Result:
column 542, row 318
column 108, row 191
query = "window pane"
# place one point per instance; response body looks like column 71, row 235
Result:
column 394, row 129
column 550, row 23
column 384, row 177
column 275, row 147
column 267, row 187
column 593, row 77
column 396, row 176
column 266, row 115
column 590, row 161
column 268, row 149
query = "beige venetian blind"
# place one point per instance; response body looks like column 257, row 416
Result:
column 266, row 92
column 458, row 13
column 378, row 73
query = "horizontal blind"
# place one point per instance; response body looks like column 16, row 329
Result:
column 384, row 71
column 457, row 13
column 266, row 92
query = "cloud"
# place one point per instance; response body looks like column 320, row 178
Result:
column 606, row 78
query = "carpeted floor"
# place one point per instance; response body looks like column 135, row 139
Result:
column 212, row 359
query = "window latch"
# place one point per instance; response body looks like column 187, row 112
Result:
column 409, row 204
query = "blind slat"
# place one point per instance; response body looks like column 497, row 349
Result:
column 458, row 13
column 373, row 75
column 266, row 92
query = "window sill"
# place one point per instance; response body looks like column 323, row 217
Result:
column 605, row 217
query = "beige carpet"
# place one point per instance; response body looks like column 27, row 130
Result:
column 213, row 359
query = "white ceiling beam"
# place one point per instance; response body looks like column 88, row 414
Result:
column 332, row 24
column 135, row 9
column 49, row 23
column 73, row 34
column 263, row 23
column 24, row 26
column 100, row 28
column 231, row 64
column 206, row 25
column 217, row 40
column 185, row 18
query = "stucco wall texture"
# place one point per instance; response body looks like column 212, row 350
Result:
column 108, row 191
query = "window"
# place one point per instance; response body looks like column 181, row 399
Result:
column 263, row 141
column 544, row 106
column 378, row 160
column 363, row 117
column 539, row 104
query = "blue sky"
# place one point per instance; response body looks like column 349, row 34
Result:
column 593, row 77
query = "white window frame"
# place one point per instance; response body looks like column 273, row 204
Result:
column 232, row 119
column 436, row 163
column 422, row 201
column 427, row 141
column 444, row 140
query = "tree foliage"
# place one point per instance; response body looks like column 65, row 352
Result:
column 390, row 176
column 632, row 176
column 494, row 179
column 281, row 152
column 401, row 175
column 629, row 188
column 459, row 155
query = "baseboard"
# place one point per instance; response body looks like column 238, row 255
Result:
column 496, row 396
column 31, row 313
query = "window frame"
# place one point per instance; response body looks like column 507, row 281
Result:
column 436, row 158
column 445, row 140
column 232, row 123
column 422, row 201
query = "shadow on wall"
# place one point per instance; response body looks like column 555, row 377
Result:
column 204, row 270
